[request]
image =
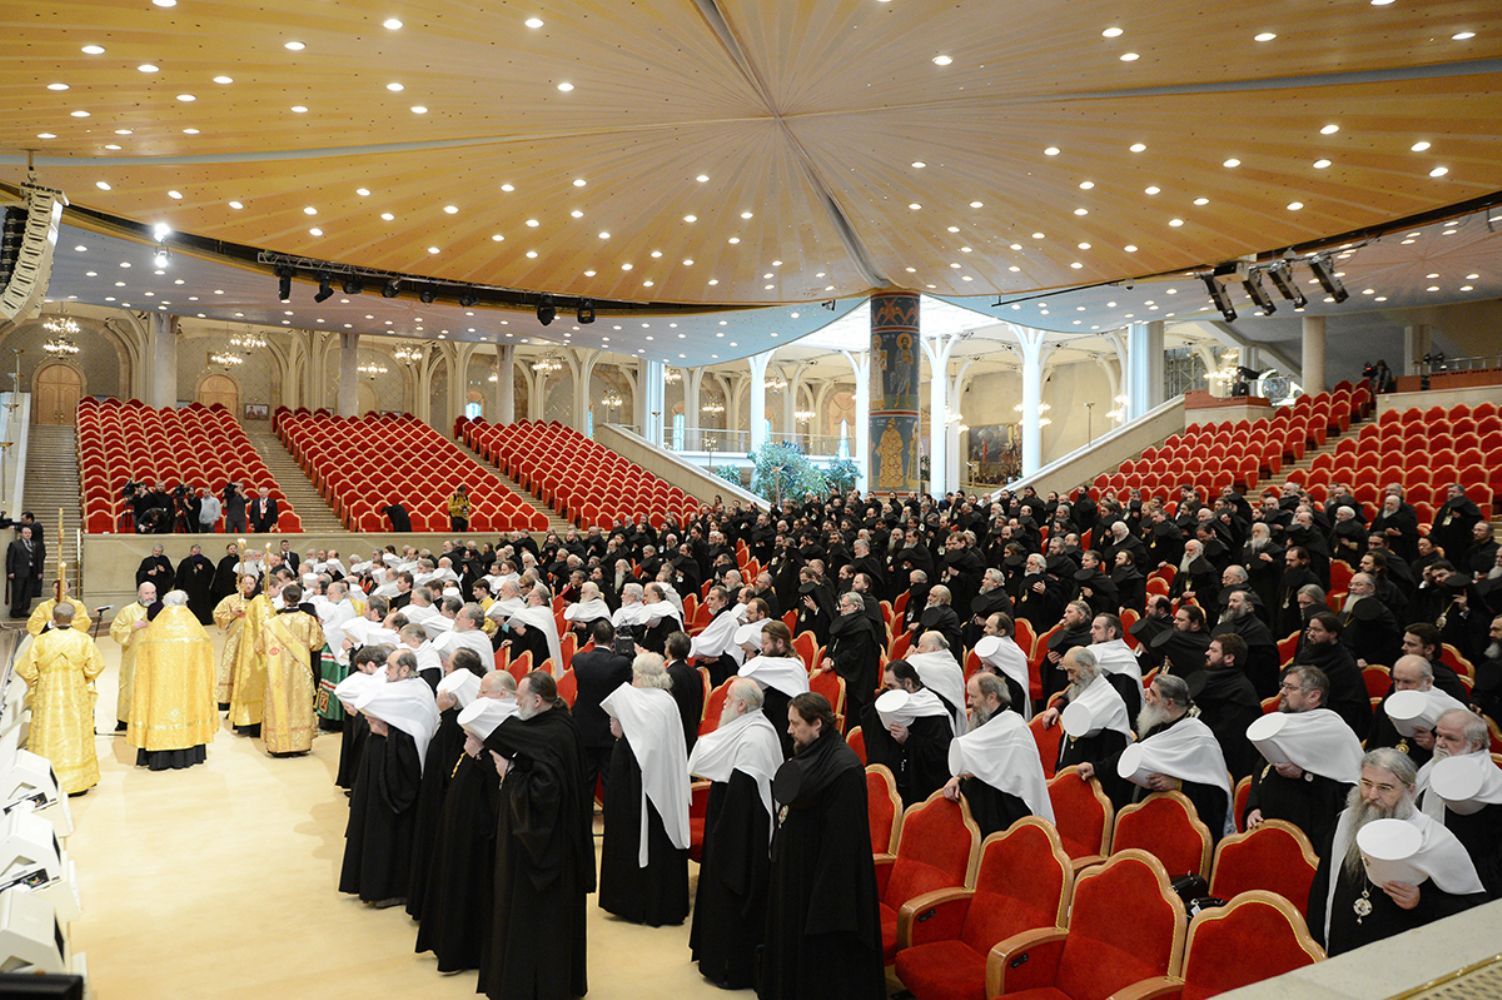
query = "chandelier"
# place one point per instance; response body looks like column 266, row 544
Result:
column 247, row 340
column 408, row 354
column 612, row 400
column 549, row 365
column 776, row 383
column 61, row 342
column 713, row 409
column 371, row 369
column 803, row 416
column 671, row 377
column 226, row 359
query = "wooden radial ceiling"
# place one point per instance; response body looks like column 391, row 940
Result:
column 758, row 151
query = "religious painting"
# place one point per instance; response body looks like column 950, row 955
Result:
column 257, row 411
column 995, row 453
column 894, row 454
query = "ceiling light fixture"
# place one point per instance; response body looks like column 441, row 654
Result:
column 1281, row 275
column 546, row 311
column 284, row 284
column 325, row 287
column 1219, row 296
column 1258, row 292
column 585, row 313
column 392, row 288
column 1327, row 278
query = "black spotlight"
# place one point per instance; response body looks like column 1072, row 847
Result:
column 427, row 295
column 284, row 284
column 1282, row 278
column 586, row 312
column 1325, row 274
column 468, row 299
column 1219, row 296
column 354, row 285
column 546, row 311
column 1254, row 288
column 325, row 287
column 392, row 288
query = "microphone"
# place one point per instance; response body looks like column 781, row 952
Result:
column 101, row 610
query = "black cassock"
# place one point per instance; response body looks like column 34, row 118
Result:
column 162, row 577
column 533, row 641
column 730, row 907
column 992, row 809
column 920, row 765
column 544, row 862
column 654, row 895
column 445, row 749
column 378, row 839
column 351, row 744
column 1092, row 749
column 1386, row 917
column 1480, row 834
column 459, row 900
column 195, row 577
column 1312, row 803
column 774, row 706
column 823, row 932
column 224, row 578
column 853, row 650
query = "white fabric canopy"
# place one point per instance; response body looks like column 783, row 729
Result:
column 1465, row 783
column 650, row 722
column 1318, row 741
column 901, row 708
column 1186, row 750
column 941, row 672
column 1004, row 755
column 785, row 673
column 464, row 685
column 406, row 704
column 1003, row 653
column 749, row 744
column 1096, row 708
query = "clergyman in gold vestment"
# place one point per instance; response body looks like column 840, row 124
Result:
column 172, row 713
column 229, row 615
column 41, row 615
column 59, row 667
column 291, row 638
column 128, row 623
column 248, row 679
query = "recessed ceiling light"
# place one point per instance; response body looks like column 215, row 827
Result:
column 186, row 98
column 224, row 81
column 942, row 60
column 533, row 22
column 419, row 109
column 531, row 254
column 165, row 3
column 1265, row 36
column 1420, row 146
column 977, row 204
column 1086, row 185
column 433, row 250
column 1463, row 36
column 533, row 223
column 309, row 210
column 1051, row 151
column 1138, row 147
column 1129, row 57
column 690, row 218
column 688, row 262
column 451, row 209
column 497, row 238
column 102, row 185
column 1176, row 223
column 392, row 24
column 747, row 215
column 1231, row 164
column 1151, row 189
column 1329, row 129
column 1130, row 248
column 576, row 214
column 1202, row 201
column 604, row 235
column 919, row 164
column 57, row 86
column 565, row 86
column 702, row 178
column 149, row 68
column 315, row 231
column 190, row 131
column 80, row 114
column 299, row 109
column 627, row 266
column 123, row 131
column 396, row 88
column 1321, row 164
column 93, row 50
column 387, row 217
column 293, row 46
column 46, row 135
column 914, row 205
column 1082, row 246
column 1112, row 32
column 1294, row 206
column 733, row 240
column 112, row 146
column 1039, row 236
column 508, row 188
column 175, row 196
column 1081, row 211
column 237, row 205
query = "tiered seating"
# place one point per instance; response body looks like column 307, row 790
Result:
column 1426, row 451
column 1214, row 456
column 121, row 442
column 585, row 482
column 361, row 465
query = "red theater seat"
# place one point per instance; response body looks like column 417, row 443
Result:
column 1082, row 815
column 1275, row 857
column 883, row 808
column 1255, row 936
column 1165, row 825
column 937, row 848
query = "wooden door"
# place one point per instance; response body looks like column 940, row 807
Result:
column 220, row 389
column 58, row 390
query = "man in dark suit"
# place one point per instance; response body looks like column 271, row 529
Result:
column 23, row 569
column 598, row 672
column 263, row 512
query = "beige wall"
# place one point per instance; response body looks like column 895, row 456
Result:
column 1401, row 401
column 101, row 359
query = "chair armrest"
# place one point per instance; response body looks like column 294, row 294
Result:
column 883, row 863
column 1148, row 989
column 933, row 916
column 1024, row 961
column 1088, row 861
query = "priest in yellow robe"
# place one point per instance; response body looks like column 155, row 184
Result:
column 128, row 623
column 248, row 679
column 291, row 638
column 59, row 668
column 229, row 615
column 172, row 711
column 41, row 615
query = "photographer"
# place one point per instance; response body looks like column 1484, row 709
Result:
column 184, row 510
column 208, row 510
column 234, row 509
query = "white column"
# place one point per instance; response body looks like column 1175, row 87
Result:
column 583, row 377
column 164, row 359
column 692, row 418
column 651, row 400
column 937, row 350
column 758, row 390
column 1034, row 351
column 503, row 398
column 1144, row 376
column 790, row 405
column 860, row 365
column 1417, row 342
column 1314, row 354
column 953, row 473
column 349, row 378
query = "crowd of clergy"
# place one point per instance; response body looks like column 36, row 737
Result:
column 476, row 793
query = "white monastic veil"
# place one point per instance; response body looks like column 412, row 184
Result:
column 651, row 724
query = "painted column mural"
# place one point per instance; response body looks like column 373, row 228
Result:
column 895, row 357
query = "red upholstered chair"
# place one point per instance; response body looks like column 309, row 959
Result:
column 832, row 686
column 1242, row 792
column 1378, row 680
column 945, row 937
column 1288, row 647
column 1165, row 825
column 1048, row 741
column 698, row 810
column 804, row 647
column 568, row 688
column 857, row 741
column 1275, row 857
column 1082, row 815
column 1255, row 936
column 938, row 847
column 714, row 705
column 883, row 808
column 1104, row 953
column 521, row 666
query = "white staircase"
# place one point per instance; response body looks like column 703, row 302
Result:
column 555, row 523
column 317, row 517
column 51, row 485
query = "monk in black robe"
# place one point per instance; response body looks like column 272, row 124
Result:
column 1228, row 703
column 823, row 936
column 918, row 755
column 853, row 656
column 195, row 577
column 225, row 575
column 1323, row 649
column 544, row 858
column 356, row 729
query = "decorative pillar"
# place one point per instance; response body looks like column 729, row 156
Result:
column 164, row 330
column 1144, row 378
column 1314, row 354
column 938, row 350
column 1417, row 342
column 860, row 365
column 651, row 400
column 758, row 389
column 954, row 469
column 1034, row 352
column 584, row 373
column 692, row 418
column 895, row 362
column 349, row 378
column 503, row 398
column 312, row 370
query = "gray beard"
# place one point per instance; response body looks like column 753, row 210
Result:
column 524, row 714
column 730, row 714
column 979, row 717
column 1078, row 688
column 1149, row 718
column 1364, row 815
column 1494, row 651
column 1494, row 573
column 1350, row 602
